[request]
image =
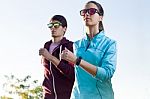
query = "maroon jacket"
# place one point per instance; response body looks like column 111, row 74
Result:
column 58, row 82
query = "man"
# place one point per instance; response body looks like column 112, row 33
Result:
column 58, row 73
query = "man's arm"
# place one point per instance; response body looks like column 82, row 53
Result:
column 63, row 66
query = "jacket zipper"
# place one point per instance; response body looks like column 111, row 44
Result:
column 88, row 45
column 52, row 72
column 53, row 81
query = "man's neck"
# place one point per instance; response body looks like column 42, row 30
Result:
column 57, row 39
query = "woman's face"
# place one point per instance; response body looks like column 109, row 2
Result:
column 92, row 20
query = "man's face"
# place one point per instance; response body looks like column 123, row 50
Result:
column 56, row 28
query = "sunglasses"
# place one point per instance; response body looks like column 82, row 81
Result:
column 90, row 11
column 55, row 25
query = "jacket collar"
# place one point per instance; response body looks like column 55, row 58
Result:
column 63, row 41
column 98, row 35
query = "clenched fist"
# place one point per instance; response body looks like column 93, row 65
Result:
column 44, row 52
column 68, row 56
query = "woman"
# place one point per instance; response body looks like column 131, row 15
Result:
column 95, row 57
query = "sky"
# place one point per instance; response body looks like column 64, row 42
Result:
column 23, row 31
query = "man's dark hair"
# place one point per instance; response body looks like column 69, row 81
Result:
column 61, row 19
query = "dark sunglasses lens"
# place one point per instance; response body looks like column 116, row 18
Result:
column 91, row 11
column 83, row 12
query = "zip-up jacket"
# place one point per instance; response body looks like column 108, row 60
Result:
column 58, row 82
column 101, row 52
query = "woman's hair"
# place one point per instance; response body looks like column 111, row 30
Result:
column 101, row 11
column 61, row 19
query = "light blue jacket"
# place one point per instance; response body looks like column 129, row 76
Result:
column 101, row 52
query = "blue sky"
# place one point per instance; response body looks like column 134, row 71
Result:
column 23, row 31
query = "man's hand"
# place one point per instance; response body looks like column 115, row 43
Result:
column 44, row 52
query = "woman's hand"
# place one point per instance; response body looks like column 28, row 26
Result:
column 68, row 56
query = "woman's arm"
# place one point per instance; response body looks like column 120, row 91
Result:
column 69, row 56
column 103, row 72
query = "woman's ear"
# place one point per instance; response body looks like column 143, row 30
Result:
column 100, row 18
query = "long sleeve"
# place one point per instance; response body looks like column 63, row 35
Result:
column 66, row 67
column 108, row 64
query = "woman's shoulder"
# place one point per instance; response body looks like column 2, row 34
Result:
column 110, row 40
column 105, row 37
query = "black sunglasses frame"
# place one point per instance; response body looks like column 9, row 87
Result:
column 84, row 11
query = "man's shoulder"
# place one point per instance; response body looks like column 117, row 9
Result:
column 65, row 40
column 47, row 44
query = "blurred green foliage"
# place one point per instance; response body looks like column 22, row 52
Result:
column 23, row 88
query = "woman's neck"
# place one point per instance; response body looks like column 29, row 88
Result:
column 92, row 31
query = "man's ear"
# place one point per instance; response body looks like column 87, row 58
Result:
column 64, row 29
